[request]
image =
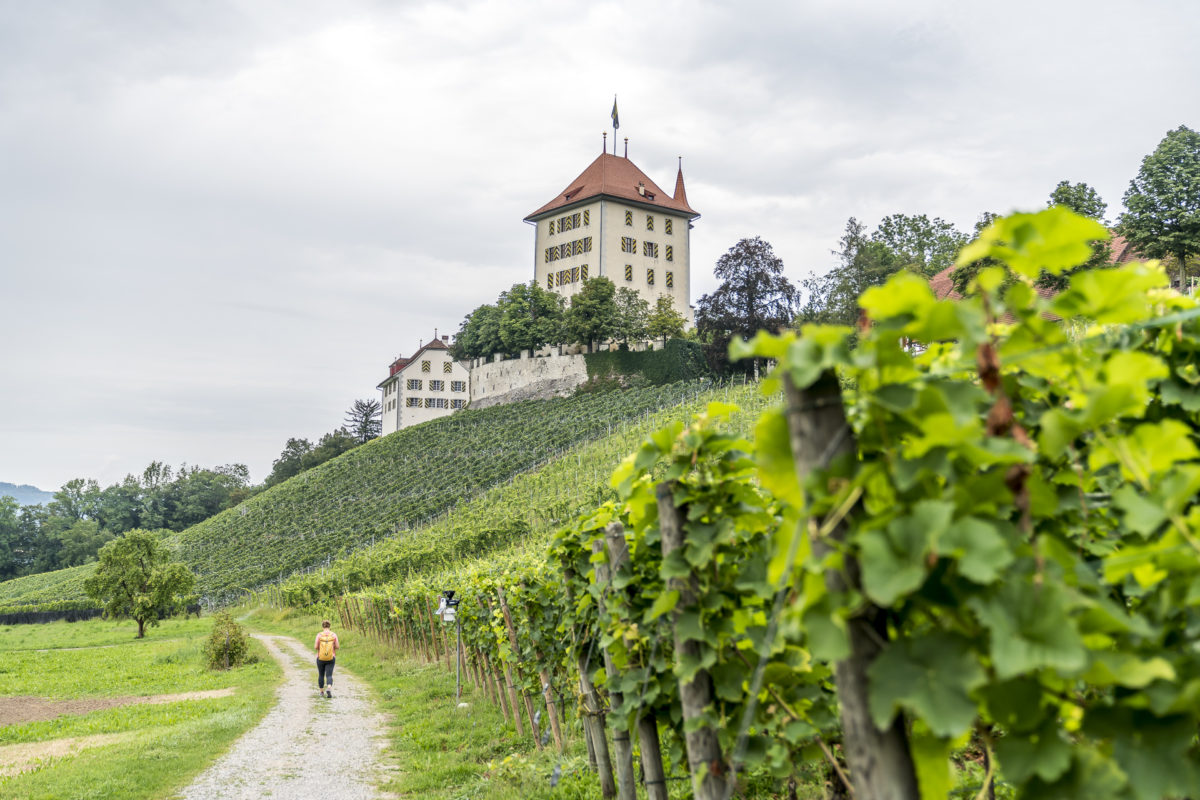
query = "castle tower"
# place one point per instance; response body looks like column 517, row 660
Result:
column 614, row 221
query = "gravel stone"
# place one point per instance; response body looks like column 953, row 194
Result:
column 307, row 746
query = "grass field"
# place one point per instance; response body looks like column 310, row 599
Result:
column 130, row 750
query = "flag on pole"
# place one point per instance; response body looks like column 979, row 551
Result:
column 615, row 119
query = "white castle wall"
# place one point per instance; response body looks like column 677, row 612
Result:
column 525, row 378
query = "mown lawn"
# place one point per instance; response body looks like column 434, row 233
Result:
column 146, row 751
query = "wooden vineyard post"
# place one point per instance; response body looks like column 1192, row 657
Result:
column 512, row 693
column 593, row 714
column 881, row 766
column 647, row 725
column 437, row 653
column 703, row 748
column 548, row 696
column 622, row 746
column 512, row 640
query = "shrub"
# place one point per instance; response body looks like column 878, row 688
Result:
column 227, row 645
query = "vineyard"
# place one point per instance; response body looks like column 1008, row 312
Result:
column 391, row 487
column 961, row 559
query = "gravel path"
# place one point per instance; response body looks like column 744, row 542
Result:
column 307, row 746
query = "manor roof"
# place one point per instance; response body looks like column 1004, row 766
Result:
column 619, row 178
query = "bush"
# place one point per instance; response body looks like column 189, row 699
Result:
column 228, row 645
column 680, row 360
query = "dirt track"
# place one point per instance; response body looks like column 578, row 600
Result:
column 307, row 746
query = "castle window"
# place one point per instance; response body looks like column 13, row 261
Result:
column 413, row 402
column 629, row 218
column 456, row 404
column 574, row 274
column 550, row 228
column 447, row 367
column 670, row 253
column 414, row 383
column 587, row 244
column 587, row 215
column 583, row 273
column 575, row 220
column 547, row 255
column 667, row 226
column 649, row 222
column 437, row 386
column 458, row 386
column 650, row 277
column 650, row 249
column 426, row 366
column 670, row 279
column 628, row 244
column 549, row 281
column 629, row 272
column 558, row 278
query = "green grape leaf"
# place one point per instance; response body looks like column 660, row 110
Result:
column 894, row 560
column 1042, row 753
column 1140, row 514
column 931, row 676
column 981, row 550
column 1030, row 629
column 931, row 757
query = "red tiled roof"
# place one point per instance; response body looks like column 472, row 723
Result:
column 613, row 176
column 943, row 285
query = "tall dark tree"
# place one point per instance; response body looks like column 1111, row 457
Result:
column 754, row 295
column 290, row 461
column 592, row 316
column 832, row 298
column 1162, row 204
column 364, row 420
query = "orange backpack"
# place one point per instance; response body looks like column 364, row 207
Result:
column 325, row 642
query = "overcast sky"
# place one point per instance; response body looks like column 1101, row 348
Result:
column 220, row 221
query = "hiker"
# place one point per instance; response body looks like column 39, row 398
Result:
column 326, row 646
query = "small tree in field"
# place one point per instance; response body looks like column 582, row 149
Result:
column 136, row 579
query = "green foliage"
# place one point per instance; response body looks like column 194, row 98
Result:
column 1162, row 203
column 227, row 646
column 479, row 334
column 754, row 295
column 664, row 322
column 136, row 579
column 363, row 420
column 832, row 298
column 633, row 313
column 680, row 360
column 592, row 316
column 1027, row 511
column 919, row 244
column 530, row 317
column 1080, row 198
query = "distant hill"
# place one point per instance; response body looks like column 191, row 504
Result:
column 24, row 494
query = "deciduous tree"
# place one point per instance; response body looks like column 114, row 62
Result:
column 530, row 317
column 593, row 312
column 832, row 298
column 920, row 244
column 664, row 321
column 633, row 313
column 1162, row 203
column 136, row 579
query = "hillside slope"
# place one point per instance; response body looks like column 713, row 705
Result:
column 388, row 486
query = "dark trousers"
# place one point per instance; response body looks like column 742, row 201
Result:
column 325, row 672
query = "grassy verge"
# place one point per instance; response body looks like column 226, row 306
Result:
column 146, row 751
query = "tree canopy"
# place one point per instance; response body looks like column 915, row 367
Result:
column 920, row 244
column 1162, row 203
column 592, row 315
column 136, row 579
column 832, row 298
column 754, row 295
column 664, row 321
column 530, row 318
column 633, row 313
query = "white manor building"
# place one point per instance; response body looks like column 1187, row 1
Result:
column 428, row 385
column 614, row 221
